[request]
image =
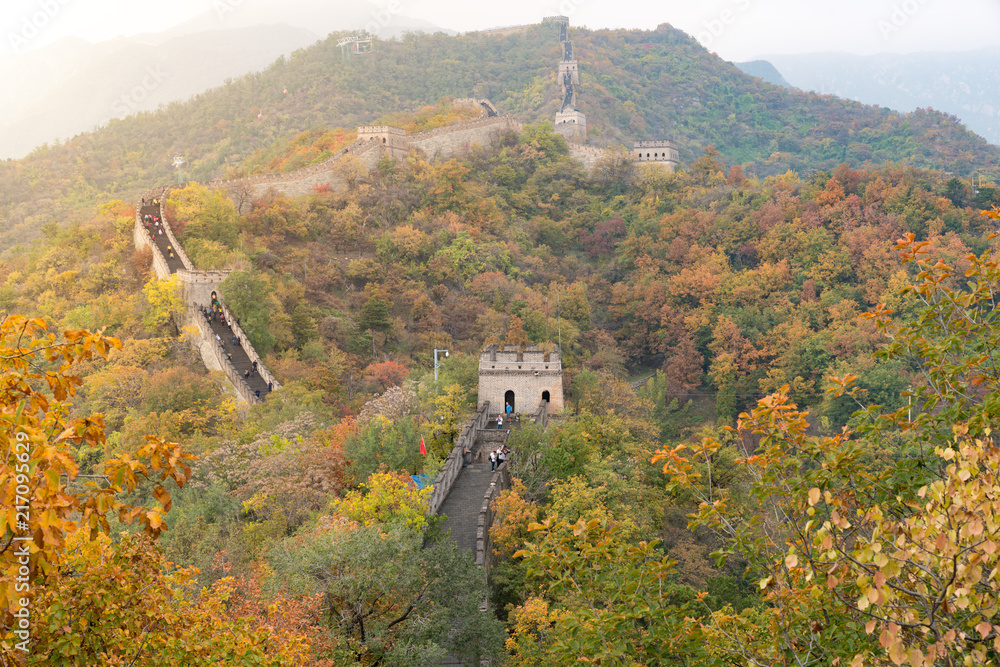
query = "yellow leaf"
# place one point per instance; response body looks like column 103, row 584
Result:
column 814, row 495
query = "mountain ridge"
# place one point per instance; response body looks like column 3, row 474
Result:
column 951, row 82
column 635, row 85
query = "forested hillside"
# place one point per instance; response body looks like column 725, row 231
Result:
column 722, row 287
column 635, row 85
column 777, row 446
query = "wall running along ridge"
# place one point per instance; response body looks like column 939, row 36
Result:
column 196, row 289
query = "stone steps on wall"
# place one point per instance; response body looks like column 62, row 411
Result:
column 462, row 505
column 161, row 241
column 241, row 360
column 172, row 256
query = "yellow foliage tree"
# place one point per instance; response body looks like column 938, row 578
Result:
column 38, row 471
column 165, row 303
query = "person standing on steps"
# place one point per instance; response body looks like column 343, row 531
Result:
column 508, row 411
column 499, row 422
column 493, row 461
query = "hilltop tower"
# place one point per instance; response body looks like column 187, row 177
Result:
column 661, row 153
column 524, row 378
column 393, row 140
column 570, row 122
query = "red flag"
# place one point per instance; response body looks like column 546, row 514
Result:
column 423, row 450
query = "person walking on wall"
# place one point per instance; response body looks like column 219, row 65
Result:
column 493, row 461
column 499, row 422
column 509, row 409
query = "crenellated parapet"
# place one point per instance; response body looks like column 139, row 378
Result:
column 662, row 153
column 523, row 378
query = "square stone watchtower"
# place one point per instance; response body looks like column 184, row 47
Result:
column 572, row 124
column 394, row 140
column 661, row 153
column 569, row 72
column 522, row 378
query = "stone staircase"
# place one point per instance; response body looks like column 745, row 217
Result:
column 169, row 259
column 463, row 503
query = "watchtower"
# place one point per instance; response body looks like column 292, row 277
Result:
column 572, row 124
column 661, row 153
column 523, row 378
column 569, row 68
column 392, row 139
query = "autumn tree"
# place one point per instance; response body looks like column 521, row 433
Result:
column 385, row 374
column 389, row 598
column 863, row 563
column 603, row 598
column 127, row 605
column 165, row 303
column 450, row 407
column 46, row 506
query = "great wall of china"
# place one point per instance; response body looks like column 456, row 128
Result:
column 201, row 288
column 466, row 487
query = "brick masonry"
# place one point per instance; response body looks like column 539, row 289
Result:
column 528, row 374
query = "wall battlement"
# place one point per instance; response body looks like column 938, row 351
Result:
column 662, row 153
column 374, row 142
column 524, row 378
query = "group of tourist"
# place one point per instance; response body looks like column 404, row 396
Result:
column 215, row 312
column 499, row 456
column 153, row 224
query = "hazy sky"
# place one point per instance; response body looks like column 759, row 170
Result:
column 736, row 29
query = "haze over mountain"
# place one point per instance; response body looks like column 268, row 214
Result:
column 635, row 85
column 127, row 75
column 965, row 84
column 763, row 69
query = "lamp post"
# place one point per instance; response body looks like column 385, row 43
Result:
column 436, row 364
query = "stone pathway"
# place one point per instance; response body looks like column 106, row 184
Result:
column 241, row 361
column 463, row 504
column 162, row 242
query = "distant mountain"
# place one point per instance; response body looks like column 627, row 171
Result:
column 966, row 85
column 762, row 69
column 86, row 85
column 73, row 86
column 635, row 85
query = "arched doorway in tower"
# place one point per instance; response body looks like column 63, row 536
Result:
column 546, row 397
column 508, row 399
